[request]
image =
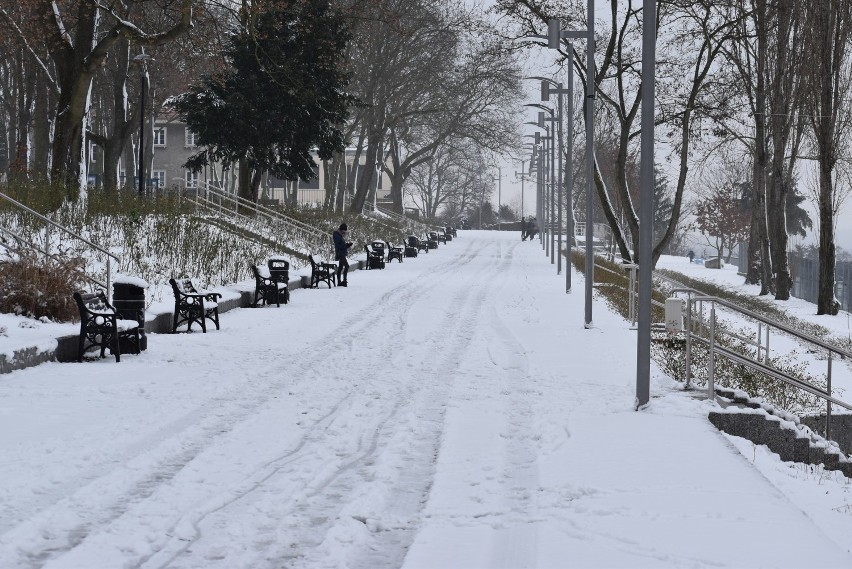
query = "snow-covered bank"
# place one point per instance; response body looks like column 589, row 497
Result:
column 449, row 411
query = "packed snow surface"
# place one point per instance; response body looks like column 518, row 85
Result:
column 447, row 412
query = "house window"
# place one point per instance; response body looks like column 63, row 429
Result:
column 160, row 136
column 189, row 137
column 158, row 178
column 191, row 179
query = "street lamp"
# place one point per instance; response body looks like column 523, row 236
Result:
column 554, row 178
column 499, row 197
column 646, row 176
column 543, row 173
column 554, row 37
column 378, row 178
column 549, row 87
column 141, row 60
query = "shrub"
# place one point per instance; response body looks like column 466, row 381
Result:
column 40, row 287
column 612, row 283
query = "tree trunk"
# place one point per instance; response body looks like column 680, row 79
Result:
column 826, row 303
column 368, row 175
column 783, row 95
column 41, row 128
column 122, row 124
column 244, row 180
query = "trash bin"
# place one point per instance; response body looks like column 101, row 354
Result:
column 129, row 302
column 279, row 270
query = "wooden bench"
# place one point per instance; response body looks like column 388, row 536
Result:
column 193, row 305
column 448, row 235
column 452, row 231
column 101, row 327
column 419, row 244
column 394, row 252
column 322, row 272
column 432, row 240
column 438, row 236
column 375, row 257
column 266, row 288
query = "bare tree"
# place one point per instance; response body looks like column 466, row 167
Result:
column 827, row 76
column 69, row 44
column 693, row 34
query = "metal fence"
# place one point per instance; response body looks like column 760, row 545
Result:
column 806, row 280
column 805, row 273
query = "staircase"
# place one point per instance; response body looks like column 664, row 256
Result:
column 783, row 433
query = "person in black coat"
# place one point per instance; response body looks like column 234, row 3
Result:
column 532, row 229
column 341, row 249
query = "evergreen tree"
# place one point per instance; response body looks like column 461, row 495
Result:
column 282, row 95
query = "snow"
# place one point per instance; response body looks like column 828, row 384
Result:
column 447, row 412
column 119, row 278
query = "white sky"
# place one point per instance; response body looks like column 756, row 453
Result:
column 540, row 62
column 447, row 412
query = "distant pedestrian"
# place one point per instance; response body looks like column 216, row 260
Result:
column 523, row 229
column 341, row 249
column 532, row 229
column 691, row 255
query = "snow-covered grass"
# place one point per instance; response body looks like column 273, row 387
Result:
column 448, row 412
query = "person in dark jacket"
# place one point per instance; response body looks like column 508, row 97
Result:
column 341, row 249
column 532, row 229
column 523, row 229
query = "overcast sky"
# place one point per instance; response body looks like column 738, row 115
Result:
column 541, row 62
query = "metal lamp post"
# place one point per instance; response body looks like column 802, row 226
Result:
column 555, row 149
column 646, row 228
column 551, row 87
column 554, row 37
column 646, row 175
column 544, row 172
column 521, row 176
column 142, row 59
column 378, row 179
column 499, row 196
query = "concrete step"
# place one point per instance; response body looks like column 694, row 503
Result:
column 781, row 432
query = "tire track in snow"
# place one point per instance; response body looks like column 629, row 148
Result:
column 63, row 526
column 328, row 510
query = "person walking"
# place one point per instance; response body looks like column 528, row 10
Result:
column 532, row 229
column 523, row 229
column 341, row 249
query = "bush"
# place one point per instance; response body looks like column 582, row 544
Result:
column 40, row 288
column 612, row 282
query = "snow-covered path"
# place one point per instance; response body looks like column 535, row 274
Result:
column 450, row 411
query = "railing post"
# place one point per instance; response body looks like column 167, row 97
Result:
column 687, row 362
column 759, row 338
column 109, row 280
column 827, row 402
column 711, row 361
column 766, row 353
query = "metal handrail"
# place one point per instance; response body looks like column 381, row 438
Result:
column 214, row 200
column 401, row 218
column 715, row 348
column 109, row 255
column 792, row 331
column 240, row 201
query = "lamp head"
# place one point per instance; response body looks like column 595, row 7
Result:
column 545, row 90
column 554, row 33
